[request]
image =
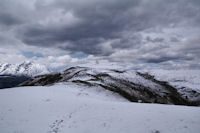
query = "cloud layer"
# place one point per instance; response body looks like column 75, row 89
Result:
column 158, row 33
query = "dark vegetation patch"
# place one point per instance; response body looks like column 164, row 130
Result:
column 44, row 80
column 117, row 71
column 133, row 92
column 83, row 82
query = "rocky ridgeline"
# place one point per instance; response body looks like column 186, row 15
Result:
column 133, row 85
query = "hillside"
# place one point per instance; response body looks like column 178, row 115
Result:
column 132, row 85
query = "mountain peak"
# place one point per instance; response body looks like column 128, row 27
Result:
column 25, row 68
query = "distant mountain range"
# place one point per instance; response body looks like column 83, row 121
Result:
column 26, row 69
column 13, row 74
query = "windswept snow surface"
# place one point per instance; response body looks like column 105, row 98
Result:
column 69, row 108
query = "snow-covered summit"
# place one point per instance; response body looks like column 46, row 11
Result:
column 26, row 68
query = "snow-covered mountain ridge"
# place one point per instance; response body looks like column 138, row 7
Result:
column 25, row 68
column 88, row 100
column 133, row 85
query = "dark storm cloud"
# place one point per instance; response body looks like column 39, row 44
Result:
column 103, row 28
column 11, row 13
column 161, row 59
column 103, row 20
column 100, row 21
column 8, row 20
column 157, row 39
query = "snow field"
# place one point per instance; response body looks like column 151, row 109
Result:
column 66, row 107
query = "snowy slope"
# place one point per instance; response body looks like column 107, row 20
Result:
column 179, row 78
column 25, row 68
column 184, row 80
column 131, row 84
column 67, row 108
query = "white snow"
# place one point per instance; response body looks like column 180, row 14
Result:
column 69, row 108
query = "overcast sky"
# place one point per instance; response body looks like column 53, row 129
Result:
column 134, row 33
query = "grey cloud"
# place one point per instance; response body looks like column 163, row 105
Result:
column 166, row 58
column 103, row 28
column 107, row 20
column 160, row 59
column 8, row 20
column 174, row 39
column 155, row 40
column 12, row 13
column 98, row 22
